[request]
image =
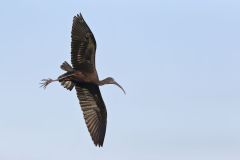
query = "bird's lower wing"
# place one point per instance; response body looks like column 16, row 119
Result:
column 94, row 111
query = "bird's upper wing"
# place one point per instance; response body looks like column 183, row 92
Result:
column 83, row 45
column 94, row 111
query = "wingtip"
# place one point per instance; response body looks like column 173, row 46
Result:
column 79, row 15
column 99, row 145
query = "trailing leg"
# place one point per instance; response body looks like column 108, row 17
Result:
column 46, row 82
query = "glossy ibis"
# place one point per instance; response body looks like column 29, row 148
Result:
column 83, row 76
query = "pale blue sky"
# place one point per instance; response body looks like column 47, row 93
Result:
column 179, row 62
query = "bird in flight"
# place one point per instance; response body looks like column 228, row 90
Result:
column 83, row 76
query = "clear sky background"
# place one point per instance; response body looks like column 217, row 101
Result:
column 179, row 62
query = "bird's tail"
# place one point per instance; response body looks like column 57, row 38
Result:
column 68, row 85
column 66, row 67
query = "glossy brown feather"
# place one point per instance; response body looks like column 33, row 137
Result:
column 94, row 111
column 83, row 46
column 83, row 59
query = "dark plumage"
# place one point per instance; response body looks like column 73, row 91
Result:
column 83, row 76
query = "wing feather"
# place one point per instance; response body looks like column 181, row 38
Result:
column 83, row 45
column 94, row 111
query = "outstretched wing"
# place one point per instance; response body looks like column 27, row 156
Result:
column 83, row 46
column 94, row 111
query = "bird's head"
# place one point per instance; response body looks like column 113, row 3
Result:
column 110, row 80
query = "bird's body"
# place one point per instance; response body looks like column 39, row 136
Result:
column 83, row 76
column 76, row 76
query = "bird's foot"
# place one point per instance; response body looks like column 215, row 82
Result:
column 46, row 82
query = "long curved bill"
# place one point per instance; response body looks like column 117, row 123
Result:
column 120, row 87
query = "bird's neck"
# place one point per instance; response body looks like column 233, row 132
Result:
column 103, row 82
